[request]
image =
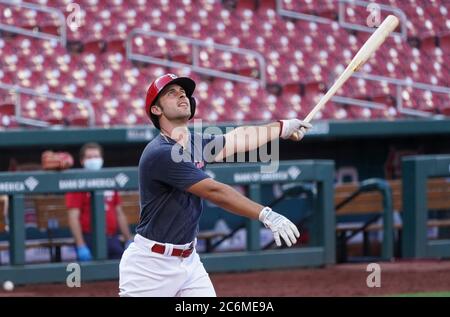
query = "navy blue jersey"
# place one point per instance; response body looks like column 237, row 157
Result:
column 169, row 213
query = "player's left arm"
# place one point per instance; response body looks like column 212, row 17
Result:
column 219, row 194
column 249, row 138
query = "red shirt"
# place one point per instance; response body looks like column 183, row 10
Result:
column 82, row 201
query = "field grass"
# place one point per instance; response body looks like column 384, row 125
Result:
column 424, row 294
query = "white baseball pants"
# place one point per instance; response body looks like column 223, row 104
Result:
column 145, row 273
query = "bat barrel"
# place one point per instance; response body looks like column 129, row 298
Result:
column 372, row 44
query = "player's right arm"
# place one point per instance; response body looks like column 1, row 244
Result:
column 74, row 204
column 229, row 199
column 83, row 252
column 75, row 226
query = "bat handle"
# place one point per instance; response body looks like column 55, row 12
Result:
column 296, row 135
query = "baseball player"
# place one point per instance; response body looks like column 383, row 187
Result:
column 162, row 260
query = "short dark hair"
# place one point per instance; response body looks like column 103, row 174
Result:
column 90, row 145
column 154, row 117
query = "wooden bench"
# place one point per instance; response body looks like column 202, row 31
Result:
column 438, row 195
column 51, row 210
column 48, row 212
column 130, row 206
column 51, row 216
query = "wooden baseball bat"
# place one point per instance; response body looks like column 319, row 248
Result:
column 372, row 44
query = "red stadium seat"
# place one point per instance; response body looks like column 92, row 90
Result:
column 299, row 54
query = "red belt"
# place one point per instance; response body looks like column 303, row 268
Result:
column 161, row 248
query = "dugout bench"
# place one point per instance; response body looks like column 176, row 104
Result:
column 45, row 218
column 430, row 194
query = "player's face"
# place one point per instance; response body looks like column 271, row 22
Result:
column 90, row 154
column 174, row 103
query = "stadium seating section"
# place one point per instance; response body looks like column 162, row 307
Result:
column 302, row 59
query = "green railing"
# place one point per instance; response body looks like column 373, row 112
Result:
column 321, row 251
column 416, row 170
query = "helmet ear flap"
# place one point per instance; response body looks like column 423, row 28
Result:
column 193, row 104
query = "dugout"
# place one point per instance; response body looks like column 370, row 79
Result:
column 360, row 150
column 319, row 252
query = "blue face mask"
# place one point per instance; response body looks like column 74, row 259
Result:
column 93, row 164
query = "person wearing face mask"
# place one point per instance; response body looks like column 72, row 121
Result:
column 79, row 212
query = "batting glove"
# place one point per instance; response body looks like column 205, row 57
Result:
column 289, row 127
column 280, row 226
column 83, row 253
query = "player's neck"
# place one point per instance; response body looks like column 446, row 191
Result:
column 177, row 132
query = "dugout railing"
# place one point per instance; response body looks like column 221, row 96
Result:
column 320, row 251
column 417, row 170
